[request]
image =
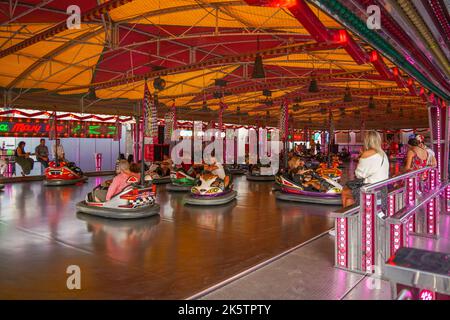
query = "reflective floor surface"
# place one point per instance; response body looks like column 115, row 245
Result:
column 184, row 251
column 307, row 273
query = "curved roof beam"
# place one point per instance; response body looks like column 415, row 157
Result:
column 51, row 55
column 62, row 26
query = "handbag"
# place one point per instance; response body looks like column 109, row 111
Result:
column 358, row 182
column 355, row 183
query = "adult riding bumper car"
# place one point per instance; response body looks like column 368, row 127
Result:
column 133, row 202
column 211, row 190
column 156, row 175
column 182, row 181
column 260, row 173
column 63, row 174
column 308, row 187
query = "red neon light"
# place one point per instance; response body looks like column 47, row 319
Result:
column 373, row 56
column 395, row 71
column 282, row 3
column 422, row 91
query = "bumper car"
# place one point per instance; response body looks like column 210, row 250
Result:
column 210, row 190
column 333, row 173
column 2, row 187
column 309, row 187
column 236, row 170
column 181, row 180
column 336, row 162
column 156, row 175
column 63, row 174
column 134, row 202
column 260, row 173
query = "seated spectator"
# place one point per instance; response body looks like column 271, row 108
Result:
column 23, row 159
column 42, row 153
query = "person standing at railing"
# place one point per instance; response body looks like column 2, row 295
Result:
column 373, row 166
column 58, row 151
column 418, row 155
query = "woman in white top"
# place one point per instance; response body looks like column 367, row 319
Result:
column 373, row 166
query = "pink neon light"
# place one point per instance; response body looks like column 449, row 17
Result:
column 438, row 120
column 367, row 234
column 426, row 295
column 342, row 244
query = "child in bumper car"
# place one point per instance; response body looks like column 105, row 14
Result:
column 109, row 189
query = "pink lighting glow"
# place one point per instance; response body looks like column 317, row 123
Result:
column 367, row 239
column 426, row 295
column 342, row 235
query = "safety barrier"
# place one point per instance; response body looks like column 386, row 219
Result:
column 367, row 235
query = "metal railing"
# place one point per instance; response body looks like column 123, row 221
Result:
column 389, row 211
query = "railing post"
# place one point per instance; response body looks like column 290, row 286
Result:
column 368, row 203
column 396, row 231
column 410, row 200
column 447, row 198
column 432, row 219
column 342, row 242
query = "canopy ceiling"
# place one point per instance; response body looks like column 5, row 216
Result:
column 101, row 67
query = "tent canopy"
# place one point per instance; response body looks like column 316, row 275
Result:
column 102, row 66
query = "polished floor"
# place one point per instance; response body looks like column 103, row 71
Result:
column 184, row 251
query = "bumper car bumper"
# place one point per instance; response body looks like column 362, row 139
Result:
column 252, row 177
column 237, row 171
column 162, row 180
column 178, row 188
column 210, row 201
column 320, row 198
column 115, row 213
column 62, row 182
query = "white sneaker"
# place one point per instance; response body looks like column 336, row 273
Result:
column 332, row 233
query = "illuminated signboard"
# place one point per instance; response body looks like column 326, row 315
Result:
column 21, row 127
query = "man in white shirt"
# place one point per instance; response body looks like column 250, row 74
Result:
column 58, row 149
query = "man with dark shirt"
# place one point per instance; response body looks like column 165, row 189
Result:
column 42, row 153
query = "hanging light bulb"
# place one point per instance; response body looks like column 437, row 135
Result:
column 347, row 95
column 371, row 103
column 204, row 106
column 258, row 68
column 92, row 95
column 238, row 111
column 313, row 87
column 389, row 108
column 159, row 84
